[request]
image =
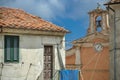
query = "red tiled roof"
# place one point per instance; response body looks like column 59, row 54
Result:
column 113, row 2
column 19, row 19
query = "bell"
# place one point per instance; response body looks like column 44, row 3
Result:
column 98, row 22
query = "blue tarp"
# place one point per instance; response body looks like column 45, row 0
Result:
column 69, row 75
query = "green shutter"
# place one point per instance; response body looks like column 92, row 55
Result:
column 11, row 48
column 7, row 49
column 16, row 49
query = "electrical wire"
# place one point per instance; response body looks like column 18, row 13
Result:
column 90, row 61
column 28, row 71
column 87, row 65
column 95, row 67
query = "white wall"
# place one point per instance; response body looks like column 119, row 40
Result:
column 31, row 52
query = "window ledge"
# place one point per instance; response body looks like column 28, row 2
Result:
column 10, row 63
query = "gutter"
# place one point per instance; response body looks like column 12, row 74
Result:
column 114, row 46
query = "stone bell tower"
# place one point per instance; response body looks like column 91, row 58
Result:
column 98, row 21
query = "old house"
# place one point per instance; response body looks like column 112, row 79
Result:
column 113, row 7
column 90, row 54
column 29, row 46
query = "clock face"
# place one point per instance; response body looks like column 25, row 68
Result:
column 98, row 47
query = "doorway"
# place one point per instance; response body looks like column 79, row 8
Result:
column 48, row 62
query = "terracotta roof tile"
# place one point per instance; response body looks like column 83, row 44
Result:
column 113, row 2
column 16, row 18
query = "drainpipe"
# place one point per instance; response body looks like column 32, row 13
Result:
column 1, row 29
column 114, row 48
column 60, row 58
column 1, row 71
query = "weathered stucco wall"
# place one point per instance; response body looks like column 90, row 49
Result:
column 31, row 51
column 115, row 42
column 95, row 65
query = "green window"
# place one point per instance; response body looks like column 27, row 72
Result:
column 11, row 48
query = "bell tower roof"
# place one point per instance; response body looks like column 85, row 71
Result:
column 98, row 10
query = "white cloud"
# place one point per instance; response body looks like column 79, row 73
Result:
column 57, row 4
column 51, row 9
column 47, row 9
column 80, row 8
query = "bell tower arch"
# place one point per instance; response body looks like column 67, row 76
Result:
column 98, row 21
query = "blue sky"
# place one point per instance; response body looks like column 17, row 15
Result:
column 70, row 14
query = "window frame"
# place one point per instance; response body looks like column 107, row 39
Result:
column 12, row 48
